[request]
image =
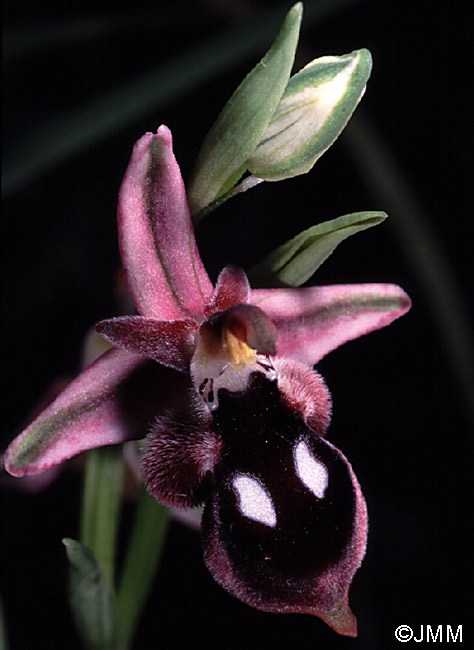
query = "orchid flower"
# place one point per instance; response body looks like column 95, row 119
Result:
column 220, row 381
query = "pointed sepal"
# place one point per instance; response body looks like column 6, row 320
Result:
column 312, row 321
column 165, row 273
column 113, row 400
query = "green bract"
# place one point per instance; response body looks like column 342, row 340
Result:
column 243, row 120
column 314, row 109
column 291, row 264
column 91, row 598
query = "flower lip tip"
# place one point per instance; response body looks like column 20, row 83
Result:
column 341, row 619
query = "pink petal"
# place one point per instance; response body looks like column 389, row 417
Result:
column 113, row 400
column 232, row 288
column 165, row 274
column 313, row 321
column 170, row 343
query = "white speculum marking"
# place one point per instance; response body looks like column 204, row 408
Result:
column 311, row 471
column 254, row 500
column 210, row 377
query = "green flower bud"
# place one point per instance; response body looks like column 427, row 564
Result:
column 243, row 120
column 314, row 109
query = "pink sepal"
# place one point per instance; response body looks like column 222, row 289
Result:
column 313, row 321
column 113, row 400
column 165, row 273
column 29, row 484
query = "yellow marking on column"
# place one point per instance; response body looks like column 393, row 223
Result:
column 241, row 354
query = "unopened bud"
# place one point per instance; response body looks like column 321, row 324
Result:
column 314, row 109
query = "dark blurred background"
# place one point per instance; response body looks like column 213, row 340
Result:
column 82, row 81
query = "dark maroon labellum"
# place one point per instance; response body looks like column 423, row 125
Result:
column 280, row 529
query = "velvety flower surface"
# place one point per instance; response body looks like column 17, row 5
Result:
column 220, row 381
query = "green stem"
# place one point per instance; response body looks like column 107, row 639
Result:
column 245, row 185
column 141, row 562
column 100, row 506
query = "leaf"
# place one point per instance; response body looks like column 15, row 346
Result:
column 91, row 598
column 243, row 120
column 314, row 109
column 291, row 264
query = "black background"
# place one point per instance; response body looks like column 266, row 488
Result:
column 401, row 410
